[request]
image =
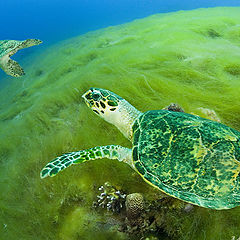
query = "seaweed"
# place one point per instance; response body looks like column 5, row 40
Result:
column 188, row 57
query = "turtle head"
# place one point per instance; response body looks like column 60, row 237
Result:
column 101, row 101
column 112, row 108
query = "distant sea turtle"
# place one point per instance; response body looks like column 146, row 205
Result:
column 188, row 157
column 10, row 47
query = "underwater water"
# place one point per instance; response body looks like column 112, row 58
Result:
column 56, row 20
column 187, row 57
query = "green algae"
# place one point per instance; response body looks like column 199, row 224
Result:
column 191, row 58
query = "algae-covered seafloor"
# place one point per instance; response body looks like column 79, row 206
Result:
column 191, row 58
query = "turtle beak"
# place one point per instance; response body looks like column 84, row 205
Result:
column 87, row 96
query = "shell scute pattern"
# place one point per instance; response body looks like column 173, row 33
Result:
column 7, row 46
column 188, row 157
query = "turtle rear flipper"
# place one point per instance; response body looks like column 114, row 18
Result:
column 12, row 68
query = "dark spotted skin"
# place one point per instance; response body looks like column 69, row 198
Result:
column 188, row 157
column 101, row 100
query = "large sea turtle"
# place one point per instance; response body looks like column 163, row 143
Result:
column 10, row 47
column 188, row 157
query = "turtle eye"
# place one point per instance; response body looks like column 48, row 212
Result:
column 96, row 96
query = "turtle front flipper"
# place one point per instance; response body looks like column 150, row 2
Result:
column 110, row 151
column 9, row 48
column 29, row 43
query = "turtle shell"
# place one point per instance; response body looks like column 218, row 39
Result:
column 188, row 157
column 6, row 46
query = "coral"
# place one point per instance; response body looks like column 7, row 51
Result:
column 147, row 218
column 210, row 113
column 234, row 238
column 110, row 198
column 174, row 107
column 134, row 205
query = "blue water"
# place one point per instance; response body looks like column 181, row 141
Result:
column 54, row 20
